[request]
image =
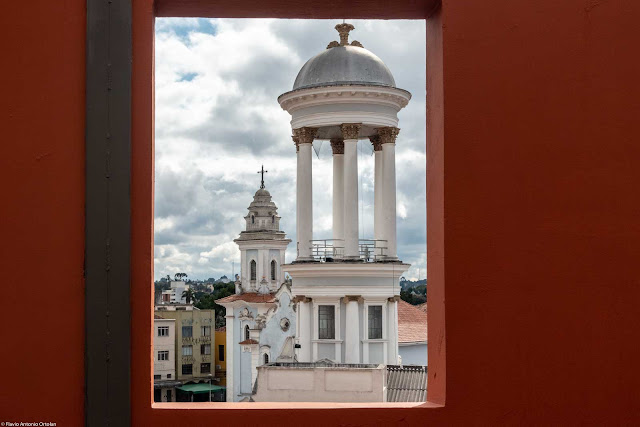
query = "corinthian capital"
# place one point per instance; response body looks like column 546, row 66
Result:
column 337, row 145
column 304, row 135
column 375, row 140
column 350, row 130
column 388, row 135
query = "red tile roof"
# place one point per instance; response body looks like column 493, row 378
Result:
column 245, row 342
column 221, row 329
column 248, row 297
column 422, row 306
column 155, row 316
column 412, row 323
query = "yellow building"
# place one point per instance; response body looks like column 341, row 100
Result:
column 221, row 355
column 194, row 340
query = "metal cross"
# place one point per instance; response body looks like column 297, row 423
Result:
column 262, row 172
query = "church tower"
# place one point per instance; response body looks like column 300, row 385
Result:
column 260, row 316
column 346, row 285
column 262, row 246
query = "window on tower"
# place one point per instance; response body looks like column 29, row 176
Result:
column 253, row 269
column 246, row 332
column 273, row 269
column 253, row 219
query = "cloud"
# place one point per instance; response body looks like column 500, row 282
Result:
column 218, row 121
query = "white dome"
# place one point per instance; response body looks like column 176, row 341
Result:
column 344, row 65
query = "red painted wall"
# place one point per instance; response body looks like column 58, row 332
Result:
column 534, row 221
column 42, row 211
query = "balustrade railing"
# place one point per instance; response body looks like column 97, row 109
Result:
column 332, row 250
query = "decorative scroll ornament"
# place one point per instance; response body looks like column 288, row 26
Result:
column 388, row 135
column 333, row 44
column 356, row 44
column 350, row 130
column 337, row 145
column 375, row 140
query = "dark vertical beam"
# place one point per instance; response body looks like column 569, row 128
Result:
column 108, row 213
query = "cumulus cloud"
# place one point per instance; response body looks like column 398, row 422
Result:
column 218, row 121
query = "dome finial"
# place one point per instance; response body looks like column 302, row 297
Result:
column 343, row 29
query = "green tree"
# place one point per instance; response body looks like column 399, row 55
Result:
column 188, row 295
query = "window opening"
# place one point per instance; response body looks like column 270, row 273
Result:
column 326, row 322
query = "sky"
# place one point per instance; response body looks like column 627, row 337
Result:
column 217, row 120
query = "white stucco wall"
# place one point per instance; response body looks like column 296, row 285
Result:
column 415, row 354
column 164, row 343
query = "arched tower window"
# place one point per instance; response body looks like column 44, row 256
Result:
column 273, row 219
column 252, row 265
column 246, row 332
column 253, row 219
column 266, row 358
column 273, row 270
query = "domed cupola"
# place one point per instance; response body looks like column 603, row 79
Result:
column 344, row 83
column 262, row 218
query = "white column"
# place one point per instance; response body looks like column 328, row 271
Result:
column 352, row 330
column 392, row 331
column 378, row 223
column 351, row 243
column 304, row 203
column 244, row 270
column 388, row 139
column 229, row 356
column 337, row 146
column 303, row 330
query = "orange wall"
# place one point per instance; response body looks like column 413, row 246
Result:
column 42, row 211
column 541, row 230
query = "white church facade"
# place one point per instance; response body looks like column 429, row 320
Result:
column 260, row 317
column 346, row 288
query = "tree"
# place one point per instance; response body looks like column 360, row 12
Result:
column 180, row 276
column 188, row 295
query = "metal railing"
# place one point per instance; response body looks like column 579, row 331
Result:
column 331, row 250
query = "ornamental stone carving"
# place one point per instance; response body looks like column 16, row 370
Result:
column 356, row 298
column 350, row 130
column 337, row 145
column 375, row 140
column 285, row 324
column 388, row 135
column 356, row 43
column 304, row 135
column 333, row 44
column 343, row 30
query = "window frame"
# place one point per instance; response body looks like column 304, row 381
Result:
column 165, row 354
column 382, row 308
column 187, row 328
column 163, row 329
column 333, row 322
column 221, row 352
column 130, row 365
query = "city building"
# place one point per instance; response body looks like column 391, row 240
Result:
column 412, row 334
column 346, row 286
column 220, row 353
column 260, row 315
column 173, row 295
column 164, row 359
column 194, row 343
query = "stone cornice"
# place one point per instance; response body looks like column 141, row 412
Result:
column 395, row 298
column 337, row 145
column 301, row 298
column 388, row 135
column 380, row 95
column 350, row 131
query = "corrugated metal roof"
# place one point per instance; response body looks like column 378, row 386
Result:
column 406, row 383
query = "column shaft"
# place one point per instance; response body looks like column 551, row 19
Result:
column 338, row 196
column 388, row 139
column 378, row 217
column 352, row 332
column 392, row 330
column 351, row 243
column 304, row 203
column 303, row 331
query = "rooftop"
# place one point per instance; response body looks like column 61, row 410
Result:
column 249, row 297
column 412, row 323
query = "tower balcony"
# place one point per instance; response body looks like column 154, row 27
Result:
column 332, row 250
